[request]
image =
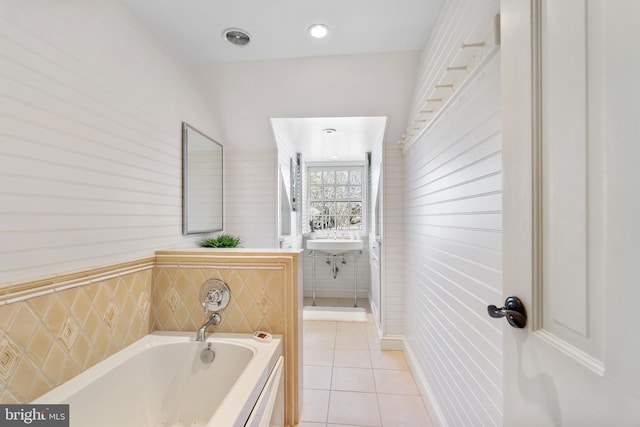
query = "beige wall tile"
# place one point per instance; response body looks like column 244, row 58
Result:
column 58, row 335
column 40, row 344
column 55, row 315
column 81, row 306
column 39, row 305
column 23, row 325
column 91, row 323
column 10, row 355
column 54, row 363
column 48, row 339
column 7, row 313
column 264, row 291
column 23, row 378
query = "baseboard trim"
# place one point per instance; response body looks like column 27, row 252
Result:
column 428, row 396
column 391, row 343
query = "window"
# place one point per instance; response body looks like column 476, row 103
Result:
column 336, row 197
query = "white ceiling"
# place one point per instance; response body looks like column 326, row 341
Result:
column 278, row 28
column 353, row 137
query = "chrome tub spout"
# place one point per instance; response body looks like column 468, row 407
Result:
column 214, row 319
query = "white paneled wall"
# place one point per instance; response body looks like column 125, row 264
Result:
column 453, row 181
column 454, row 224
column 251, row 196
column 91, row 106
column 460, row 22
column 393, row 244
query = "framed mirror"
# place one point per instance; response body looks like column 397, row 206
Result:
column 201, row 182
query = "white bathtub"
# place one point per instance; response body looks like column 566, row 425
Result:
column 161, row 381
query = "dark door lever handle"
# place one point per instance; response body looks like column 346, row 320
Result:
column 513, row 310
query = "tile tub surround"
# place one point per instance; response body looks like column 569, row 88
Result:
column 53, row 328
column 266, row 294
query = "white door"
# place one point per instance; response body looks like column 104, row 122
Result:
column 571, row 137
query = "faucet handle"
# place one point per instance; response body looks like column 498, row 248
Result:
column 214, row 295
column 213, row 300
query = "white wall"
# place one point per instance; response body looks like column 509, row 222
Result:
column 91, row 105
column 453, row 182
column 393, row 242
column 247, row 94
column 251, row 197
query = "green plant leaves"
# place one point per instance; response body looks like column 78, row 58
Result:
column 221, row 241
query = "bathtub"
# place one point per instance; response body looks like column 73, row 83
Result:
column 160, row 380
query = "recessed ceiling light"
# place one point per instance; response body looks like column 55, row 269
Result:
column 236, row 36
column 318, row 30
column 329, row 131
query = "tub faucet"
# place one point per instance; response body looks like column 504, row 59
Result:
column 214, row 319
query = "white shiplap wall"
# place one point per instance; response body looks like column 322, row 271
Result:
column 251, row 196
column 91, row 105
column 393, row 242
column 453, row 237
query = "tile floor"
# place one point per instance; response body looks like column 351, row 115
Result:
column 349, row 381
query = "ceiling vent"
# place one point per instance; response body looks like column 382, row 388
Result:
column 237, row 37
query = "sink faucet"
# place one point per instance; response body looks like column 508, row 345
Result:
column 214, row 319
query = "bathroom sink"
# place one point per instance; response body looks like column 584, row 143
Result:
column 334, row 246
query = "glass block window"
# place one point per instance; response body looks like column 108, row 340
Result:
column 336, row 197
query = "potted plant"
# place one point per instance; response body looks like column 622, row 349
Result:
column 221, row 241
